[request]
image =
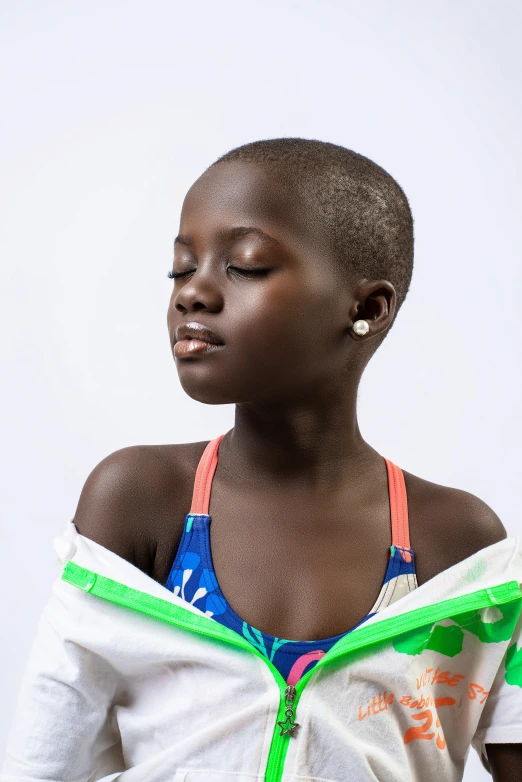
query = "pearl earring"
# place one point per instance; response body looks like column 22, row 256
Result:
column 361, row 327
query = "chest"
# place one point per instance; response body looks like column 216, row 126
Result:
column 296, row 567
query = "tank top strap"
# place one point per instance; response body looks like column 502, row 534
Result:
column 396, row 489
column 204, row 474
column 398, row 506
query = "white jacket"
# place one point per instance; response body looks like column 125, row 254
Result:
column 127, row 681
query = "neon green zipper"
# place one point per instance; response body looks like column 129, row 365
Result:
column 366, row 635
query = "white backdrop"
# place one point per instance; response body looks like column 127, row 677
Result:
column 111, row 109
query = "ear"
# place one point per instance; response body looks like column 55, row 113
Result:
column 374, row 301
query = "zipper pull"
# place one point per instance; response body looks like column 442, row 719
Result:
column 289, row 726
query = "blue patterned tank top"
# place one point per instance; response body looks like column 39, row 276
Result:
column 192, row 574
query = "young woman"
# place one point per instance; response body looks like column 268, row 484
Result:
column 281, row 602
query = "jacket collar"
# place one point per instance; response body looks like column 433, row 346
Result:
column 490, row 567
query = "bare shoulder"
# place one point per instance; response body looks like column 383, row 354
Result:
column 447, row 525
column 135, row 496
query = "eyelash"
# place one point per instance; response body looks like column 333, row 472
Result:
column 174, row 275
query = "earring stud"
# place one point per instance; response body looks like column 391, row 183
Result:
column 361, row 327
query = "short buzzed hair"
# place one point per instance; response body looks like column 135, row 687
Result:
column 365, row 213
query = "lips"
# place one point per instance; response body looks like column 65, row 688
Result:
column 194, row 330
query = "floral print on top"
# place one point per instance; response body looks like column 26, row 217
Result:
column 192, row 577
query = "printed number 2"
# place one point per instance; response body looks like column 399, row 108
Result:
column 421, row 731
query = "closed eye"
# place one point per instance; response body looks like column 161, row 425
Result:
column 175, row 275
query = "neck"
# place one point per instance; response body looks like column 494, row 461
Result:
column 316, row 449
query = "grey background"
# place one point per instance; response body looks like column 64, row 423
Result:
column 112, row 109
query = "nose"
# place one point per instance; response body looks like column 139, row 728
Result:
column 199, row 291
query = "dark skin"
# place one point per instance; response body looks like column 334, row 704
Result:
column 296, row 487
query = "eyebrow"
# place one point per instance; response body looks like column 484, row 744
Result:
column 232, row 233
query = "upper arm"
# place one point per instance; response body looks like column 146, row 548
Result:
column 474, row 520
column 448, row 525
column 481, row 527
column 498, row 737
column 118, row 502
column 68, row 679
column 476, row 525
